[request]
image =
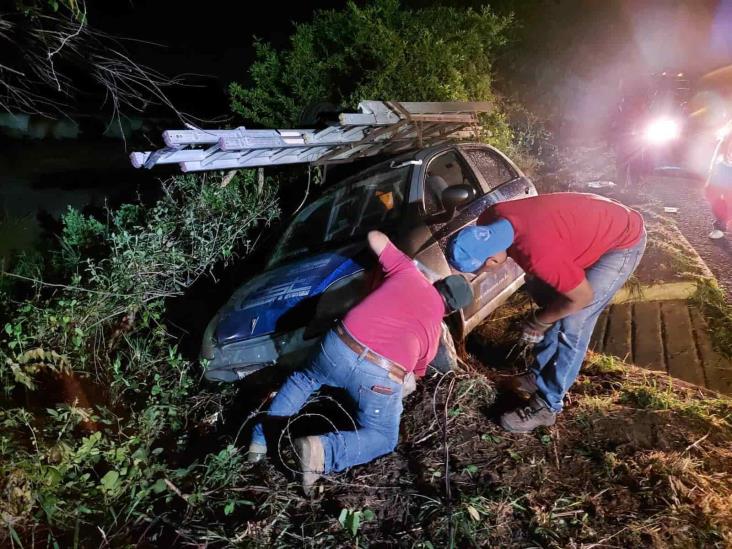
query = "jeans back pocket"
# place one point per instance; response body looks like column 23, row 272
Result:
column 376, row 408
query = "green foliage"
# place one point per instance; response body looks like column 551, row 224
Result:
column 37, row 8
column 378, row 51
column 599, row 364
column 710, row 298
column 106, row 455
column 654, row 394
column 351, row 519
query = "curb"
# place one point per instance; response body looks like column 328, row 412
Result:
column 667, row 291
column 656, row 292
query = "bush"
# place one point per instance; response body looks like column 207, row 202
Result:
column 102, row 459
column 380, row 51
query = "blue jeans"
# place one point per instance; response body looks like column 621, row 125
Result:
column 559, row 356
column 378, row 415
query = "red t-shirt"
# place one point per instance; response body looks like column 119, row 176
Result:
column 400, row 319
column 558, row 236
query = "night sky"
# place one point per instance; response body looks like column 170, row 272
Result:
column 613, row 38
column 207, row 38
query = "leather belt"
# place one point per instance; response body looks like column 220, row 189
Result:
column 396, row 372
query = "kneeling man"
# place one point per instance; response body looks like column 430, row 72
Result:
column 391, row 335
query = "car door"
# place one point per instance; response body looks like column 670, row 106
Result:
column 446, row 169
column 503, row 181
column 498, row 180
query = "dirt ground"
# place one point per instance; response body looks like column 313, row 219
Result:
column 634, row 461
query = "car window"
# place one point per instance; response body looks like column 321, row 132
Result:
column 442, row 172
column 346, row 213
column 495, row 170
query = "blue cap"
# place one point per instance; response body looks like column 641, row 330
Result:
column 471, row 246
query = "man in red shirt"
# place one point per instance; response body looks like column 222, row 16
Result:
column 582, row 247
column 390, row 335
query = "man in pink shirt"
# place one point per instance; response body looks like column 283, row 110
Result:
column 390, row 335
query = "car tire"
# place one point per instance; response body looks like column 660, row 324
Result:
column 446, row 358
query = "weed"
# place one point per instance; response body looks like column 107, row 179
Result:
column 654, row 394
column 351, row 520
column 711, row 300
column 634, row 287
column 104, row 458
column 599, row 364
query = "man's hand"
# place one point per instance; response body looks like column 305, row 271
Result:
column 377, row 242
column 534, row 330
column 409, row 385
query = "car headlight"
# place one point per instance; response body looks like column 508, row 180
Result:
column 662, row 130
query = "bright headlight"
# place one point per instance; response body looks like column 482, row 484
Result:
column 662, row 130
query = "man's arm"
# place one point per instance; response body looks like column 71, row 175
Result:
column 391, row 259
column 377, row 242
column 567, row 303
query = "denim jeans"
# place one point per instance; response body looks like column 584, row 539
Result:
column 559, row 356
column 378, row 415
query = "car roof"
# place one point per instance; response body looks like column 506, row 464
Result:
column 414, row 154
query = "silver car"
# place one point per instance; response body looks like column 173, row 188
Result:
column 320, row 267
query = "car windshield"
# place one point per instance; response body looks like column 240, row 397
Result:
column 346, row 213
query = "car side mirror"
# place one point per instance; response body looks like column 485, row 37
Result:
column 454, row 196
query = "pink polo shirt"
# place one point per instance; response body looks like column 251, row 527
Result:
column 401, row 318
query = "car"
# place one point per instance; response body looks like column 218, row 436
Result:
column 321, row 267
column 664, row 129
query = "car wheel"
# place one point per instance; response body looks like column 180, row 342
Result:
column 446, row 357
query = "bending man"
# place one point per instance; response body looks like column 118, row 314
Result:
column 581, row 248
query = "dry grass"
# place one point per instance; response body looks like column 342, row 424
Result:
column 636, row 460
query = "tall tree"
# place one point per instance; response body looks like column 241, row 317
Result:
column 380, row 50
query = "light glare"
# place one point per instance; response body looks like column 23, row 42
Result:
column 662, row 130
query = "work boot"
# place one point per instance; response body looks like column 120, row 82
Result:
column 312, row 461
column 524, row 385
column 524, row 419
column 257, row 452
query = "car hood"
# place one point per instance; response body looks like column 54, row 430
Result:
column 279, row 299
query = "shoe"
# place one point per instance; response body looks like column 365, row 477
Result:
column 312, row 461
column 716, row 234
column 524, row 385
column 524, row 419
column 257, row 452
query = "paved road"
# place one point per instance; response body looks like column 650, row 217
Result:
column 695, row 221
